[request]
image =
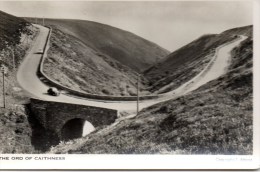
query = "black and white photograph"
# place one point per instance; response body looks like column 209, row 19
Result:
column 126, row 78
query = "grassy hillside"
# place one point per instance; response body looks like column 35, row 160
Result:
column 188, row 61
column 246, row 30
column 15, row 131
column 125, row 47
column 76, row 65
column 13, row 31
column 16, row 37
column 11, row 28
column 214, row 119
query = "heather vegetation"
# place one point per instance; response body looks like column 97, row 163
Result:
column 75, row 65
column 217, row 118
column 15, row 131
column 16, row 36
column 99, row 59
column 11, row 28
column 125, row 47
column 185, row 63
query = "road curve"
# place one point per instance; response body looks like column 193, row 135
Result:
column 29, row 81
column 217, row 66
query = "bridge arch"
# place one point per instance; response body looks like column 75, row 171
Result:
column 59, row 118
column 76, row 128
column 72, row 129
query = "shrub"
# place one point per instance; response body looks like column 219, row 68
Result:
column 132, row 92
column 105, row 91
column 165, row 109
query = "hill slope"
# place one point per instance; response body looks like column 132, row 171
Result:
column 214, row 119
column 16, row 36
column 97, row 58
column 125, row 47
column 80, row 67
column 10, row 29
column 188, row 61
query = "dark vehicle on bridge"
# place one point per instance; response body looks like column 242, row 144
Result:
column 53, row 91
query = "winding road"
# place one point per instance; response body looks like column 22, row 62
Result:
column 29, row 81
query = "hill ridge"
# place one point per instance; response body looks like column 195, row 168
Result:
column 124, row 46
column 184, row 63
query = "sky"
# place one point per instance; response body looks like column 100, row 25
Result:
column 170, row 24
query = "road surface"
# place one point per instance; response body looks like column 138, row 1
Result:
column 217, row 66
column 29, row 81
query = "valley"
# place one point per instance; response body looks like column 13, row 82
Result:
column 105, row 56
column 211, row 107
column 206, row 121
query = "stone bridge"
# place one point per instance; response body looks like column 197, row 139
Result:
column 66, row 121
